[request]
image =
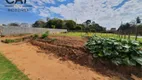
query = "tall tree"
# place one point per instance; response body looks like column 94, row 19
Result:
column 87, row 25
column 138, row 20
column 88, row 22
column 58, row 23
column 70, row 24
column 39, row 24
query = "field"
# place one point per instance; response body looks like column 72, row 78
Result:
column 63, row 57
column 105, row 35
column 8, row 71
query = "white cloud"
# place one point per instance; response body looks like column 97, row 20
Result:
column 100, row 11
column 61, row 0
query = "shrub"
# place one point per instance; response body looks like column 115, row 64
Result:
column 119, row 52
column 45, row 35
column 8, row 41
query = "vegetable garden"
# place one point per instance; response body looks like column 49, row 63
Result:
column 118, row 51
column 100, row 53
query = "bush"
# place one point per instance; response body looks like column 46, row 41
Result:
column 8, row 41
column 45, row 35
column 119, row 52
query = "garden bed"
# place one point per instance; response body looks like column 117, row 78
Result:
column 67, row 48
column 73, row 49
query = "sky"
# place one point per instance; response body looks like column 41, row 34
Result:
column 107, row 13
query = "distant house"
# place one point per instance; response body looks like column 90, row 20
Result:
column 25, row 25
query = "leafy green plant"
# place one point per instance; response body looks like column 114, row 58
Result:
column 118, row 51
column 11, row 40
column 8, row 41
column 45, row 35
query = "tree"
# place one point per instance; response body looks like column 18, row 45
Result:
column 87, row 24
column 70, row 24
column 125, row 29
column 13, row 24
column 58, row 23
column 39, row 24
column 137, row 21
column 3, row 24
column 79, row 27
column 93, row 27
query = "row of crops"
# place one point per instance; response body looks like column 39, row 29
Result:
column 118, row 51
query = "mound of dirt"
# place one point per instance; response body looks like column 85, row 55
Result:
column 71, row 48
column 73, row 41
column 74, row 53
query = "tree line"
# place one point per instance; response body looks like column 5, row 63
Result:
column 131, row 28
column 70, row 25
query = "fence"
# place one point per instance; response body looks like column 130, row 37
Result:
column 11, row 30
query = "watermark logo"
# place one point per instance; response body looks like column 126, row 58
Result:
column 17, row 5
column 15, row 2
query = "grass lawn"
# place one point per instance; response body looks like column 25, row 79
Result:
column 8, row 71
column 106, row 35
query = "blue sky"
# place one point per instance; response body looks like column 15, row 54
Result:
column 108, row 13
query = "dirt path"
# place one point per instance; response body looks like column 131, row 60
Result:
column 40, row 66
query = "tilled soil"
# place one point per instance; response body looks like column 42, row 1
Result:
column 72, row 48
column 37, row 65
column 40, row 66
column 67, row 48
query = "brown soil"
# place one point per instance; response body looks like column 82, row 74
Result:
column 39, row 66
column 72, row 48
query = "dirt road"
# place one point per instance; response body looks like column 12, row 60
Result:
column 40, row 66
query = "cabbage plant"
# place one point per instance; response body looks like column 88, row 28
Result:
column 118, row 51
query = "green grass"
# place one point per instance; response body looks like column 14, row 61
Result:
column 105, row 35
column 8, row 71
